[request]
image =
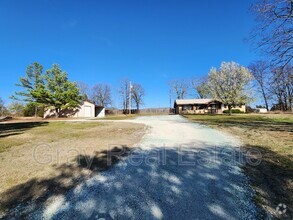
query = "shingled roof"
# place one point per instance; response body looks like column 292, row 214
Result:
column 193, row 101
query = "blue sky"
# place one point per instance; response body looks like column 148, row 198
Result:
column 148, row 41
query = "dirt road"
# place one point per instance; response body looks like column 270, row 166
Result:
column 180, row 170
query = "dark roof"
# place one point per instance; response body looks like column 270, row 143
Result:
column 193, row 101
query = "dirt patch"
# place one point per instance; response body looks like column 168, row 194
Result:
column 32, row 153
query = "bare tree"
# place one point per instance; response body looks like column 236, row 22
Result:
column 274, row 33
column 179, row 88
column 84, row 90
column 200, row 87
column 229, row 84
column 124, row 93
column 260, row 71
column 281, row 85
column 137, row 95
column 101, row 94
column 16, row 108
column 2, row 107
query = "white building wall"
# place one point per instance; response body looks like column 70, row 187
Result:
column 262, row 110
column 81, row 113
column 86, row 110
column 241, row 108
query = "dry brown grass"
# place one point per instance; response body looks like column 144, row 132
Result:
column 34, row 150
column 272, row 135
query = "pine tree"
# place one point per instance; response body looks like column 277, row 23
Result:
column 62, row 94
column 33, row 85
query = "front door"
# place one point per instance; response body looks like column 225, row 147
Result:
column 213, row 109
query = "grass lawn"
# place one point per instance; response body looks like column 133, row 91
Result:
column 117, row 117
column 37, row 157
column 272, row 134
column 127, row 116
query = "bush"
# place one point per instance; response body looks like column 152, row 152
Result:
column 29, row 110
column 234, row 111
column 250, row 109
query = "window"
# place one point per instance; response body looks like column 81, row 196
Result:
column 201, row 107
column 186, row 107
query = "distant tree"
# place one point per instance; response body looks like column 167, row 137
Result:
column 281, row 86
column 179, row 88
column 16, row 108
column 273, row 34
column 200, row 87
column 84, row 90
column 2, row 108
column 101, row 94
column 62, row 94
column 229, row 84
column 137, row 95
column 29, row 109
column 260, row 71
column 124, row 92
column 260, row 106
column 33, row 85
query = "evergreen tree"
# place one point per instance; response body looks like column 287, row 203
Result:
column 62, row 94
column 33, row 85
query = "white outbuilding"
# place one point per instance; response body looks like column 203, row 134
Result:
column 261, row 110
column 85, row 110
column 89, row 110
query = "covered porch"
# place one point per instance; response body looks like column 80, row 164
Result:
column 198, row 107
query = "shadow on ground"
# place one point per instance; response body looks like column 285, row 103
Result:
column 11, row 129
column 272, row 181
column 37, row 191
column 159, row 183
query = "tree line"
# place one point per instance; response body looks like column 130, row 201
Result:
column 229, row 84
column 272, row 38
column 271, row 76
column 52, row 88
column 235, row 85
column 101, row 94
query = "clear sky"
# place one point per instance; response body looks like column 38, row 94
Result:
column 148, row 41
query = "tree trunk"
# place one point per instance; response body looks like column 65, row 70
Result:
column 230, row 109
column 36, row 111
column 290, row 104
column 290, row 97
column 265, row 98
column 56, row 112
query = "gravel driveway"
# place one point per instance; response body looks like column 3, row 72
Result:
column 181, row 170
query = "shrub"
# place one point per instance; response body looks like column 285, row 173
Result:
column 29, row 110
column 234, row 111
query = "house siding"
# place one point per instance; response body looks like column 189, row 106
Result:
column 241, row 108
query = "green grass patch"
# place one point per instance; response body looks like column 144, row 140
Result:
column 244, row 118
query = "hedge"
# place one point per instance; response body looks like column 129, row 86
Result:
column 234, row 111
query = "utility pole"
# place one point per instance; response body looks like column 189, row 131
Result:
column 170, row 97
column 130, row 88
